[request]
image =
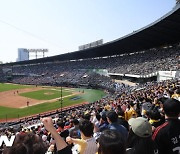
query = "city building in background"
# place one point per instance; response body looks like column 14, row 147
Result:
column 27, row 54
column 23, row 54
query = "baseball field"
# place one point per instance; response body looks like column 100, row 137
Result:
column 18, row 101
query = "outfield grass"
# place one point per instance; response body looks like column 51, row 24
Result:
column 86, row 95
column 6, row 87
column 91, row 95
column 36, row 109
column 45, row 94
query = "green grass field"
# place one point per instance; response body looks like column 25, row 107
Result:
column 40, row 94
column 89, row 95
column 6, row 87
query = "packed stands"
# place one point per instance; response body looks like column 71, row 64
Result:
column 142, row 102
column 130, row 120
column 2, row 75
column 140, row 63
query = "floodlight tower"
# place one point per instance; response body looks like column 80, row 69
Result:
column 61, row 101
column 36, row 51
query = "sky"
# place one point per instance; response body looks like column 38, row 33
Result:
column 61, row 26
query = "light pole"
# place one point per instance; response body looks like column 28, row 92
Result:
column 61, row 100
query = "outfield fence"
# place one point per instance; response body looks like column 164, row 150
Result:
column 18, row 119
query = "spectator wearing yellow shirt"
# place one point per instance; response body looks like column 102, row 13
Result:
column 176, row 94
column 130, row 112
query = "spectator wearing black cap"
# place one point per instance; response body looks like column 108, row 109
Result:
column 167, row 136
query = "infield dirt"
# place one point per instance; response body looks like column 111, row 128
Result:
column 12, row 98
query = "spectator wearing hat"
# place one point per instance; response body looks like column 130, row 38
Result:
column 139, row 139
column 167, row 136
column 67, row 125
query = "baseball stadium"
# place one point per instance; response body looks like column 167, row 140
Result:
column 125, row 89
column 19, row 100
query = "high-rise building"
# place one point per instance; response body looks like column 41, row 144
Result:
column 23, row 54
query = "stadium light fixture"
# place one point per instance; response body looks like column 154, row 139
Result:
column 61, row 101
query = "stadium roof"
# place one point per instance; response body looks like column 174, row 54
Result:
column 165, row 31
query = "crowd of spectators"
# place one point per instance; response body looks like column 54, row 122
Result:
column 165, row 59
column 142, row 121
column 139, row 120
column 73, row 78
column 81, row 72
column 140, row 63
column 2, row 77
